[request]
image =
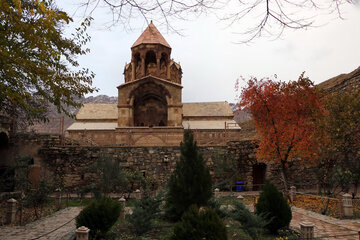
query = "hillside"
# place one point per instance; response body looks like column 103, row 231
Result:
column 342, row 81
column 55, row 119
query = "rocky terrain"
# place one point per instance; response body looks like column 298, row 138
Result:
column 342, row 82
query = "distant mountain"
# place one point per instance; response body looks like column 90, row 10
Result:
column 342, row 82
column 54, row 125
column 239, row 115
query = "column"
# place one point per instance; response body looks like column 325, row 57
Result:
column 11, row 213
column 82, row 233
column 132, row 71
column 142, row 66
column 307, row 230
column 122, row 203
column 216, row 193
column 292, row 193
column 138, row 194
column 347, row 205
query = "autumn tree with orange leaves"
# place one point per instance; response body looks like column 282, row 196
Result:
column 283, row 114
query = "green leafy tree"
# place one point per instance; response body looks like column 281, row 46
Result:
column 37, row 62
column 274, row 206
column 113, row 178
column 339, row 162
column 37, row 198
column 190, row 183
column 198, row 225
column 226, row 170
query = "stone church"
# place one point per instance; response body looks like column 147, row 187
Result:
column 150, row 111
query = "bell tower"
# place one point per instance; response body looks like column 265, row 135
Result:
column 150, row 56
column 149, row 102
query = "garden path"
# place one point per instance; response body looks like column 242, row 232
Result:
column 326, row 227
column 65, row 219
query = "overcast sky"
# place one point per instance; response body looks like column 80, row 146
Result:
column 211, row 61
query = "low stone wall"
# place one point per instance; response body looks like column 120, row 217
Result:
column 62, row 157
column 72, row 163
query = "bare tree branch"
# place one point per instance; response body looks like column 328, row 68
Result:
column 259, row 17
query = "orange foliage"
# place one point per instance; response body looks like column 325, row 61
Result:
column 316, row 204
column 284, row 115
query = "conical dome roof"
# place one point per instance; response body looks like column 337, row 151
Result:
column 151, row 36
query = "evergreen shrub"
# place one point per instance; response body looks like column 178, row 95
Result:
column 99, row 216
column 253, row 225
column 190, row 182
column 274, row 206
column 145, row 211
column 198, row 225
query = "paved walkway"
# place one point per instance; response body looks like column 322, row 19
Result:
column 326, row 227
column 63, row 219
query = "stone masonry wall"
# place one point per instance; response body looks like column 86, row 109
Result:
column 72, row 163
column 61, row 157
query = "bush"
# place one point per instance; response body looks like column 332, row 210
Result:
column 272, row 203
column 198, row 225
column 38, row 197
column 252, row 224
column 144, row 213
column 99, row 216
column 216, row 206
column 190, row 182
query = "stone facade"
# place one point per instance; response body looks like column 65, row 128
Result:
column 150, row 111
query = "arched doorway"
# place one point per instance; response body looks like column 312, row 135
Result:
column 4, row 140
column 150, row 105
column 150, row 110
column 7, row 174
column 258, row 175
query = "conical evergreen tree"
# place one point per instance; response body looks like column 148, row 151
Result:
column 190, row 183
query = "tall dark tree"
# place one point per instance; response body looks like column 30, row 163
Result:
column 190, row 183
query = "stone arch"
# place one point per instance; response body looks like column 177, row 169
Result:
column 150, row 105
column 4, row 139
column 258, row 174
column 6, row 171
column 150, row 140
column 150, row 62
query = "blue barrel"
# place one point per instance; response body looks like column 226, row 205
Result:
column 239, row 186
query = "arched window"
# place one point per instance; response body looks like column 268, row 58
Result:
column 150, row 57
column 150, row 62
column 163, row 60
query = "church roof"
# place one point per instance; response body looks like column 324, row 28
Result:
column 151, row 36
column 93, row 126
column 109, row 111
column 204, row 109
column 97, row 111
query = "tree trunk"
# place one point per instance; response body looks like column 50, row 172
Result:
column 284, row 179
column 324, row 210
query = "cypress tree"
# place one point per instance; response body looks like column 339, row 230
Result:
column 274, row 206
column 190, row 183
